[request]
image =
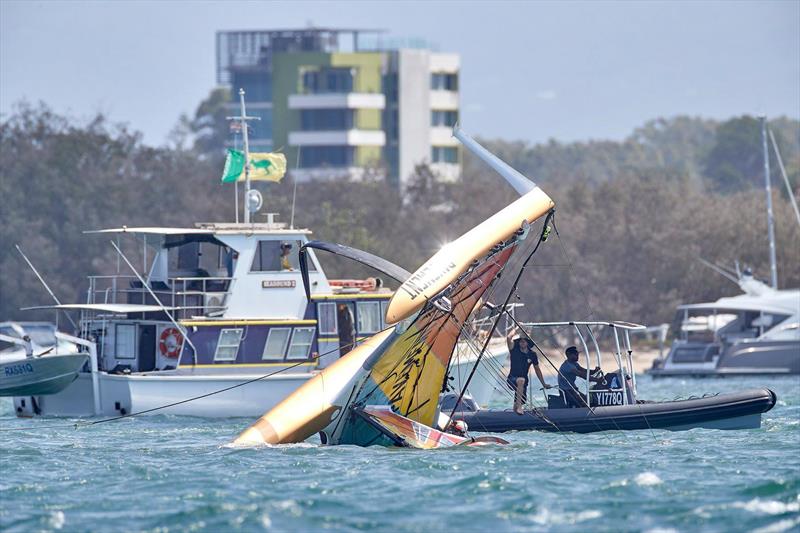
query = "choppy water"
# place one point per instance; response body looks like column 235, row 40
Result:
column 171, row 474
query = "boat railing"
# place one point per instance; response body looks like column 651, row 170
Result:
column 480, row 327
column 185, row 296
column 586, row 334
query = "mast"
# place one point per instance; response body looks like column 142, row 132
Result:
column 243, row 118
column 770, row 218
column 247, row 155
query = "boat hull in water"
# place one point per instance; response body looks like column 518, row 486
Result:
column 38, row 376
column 739, row 410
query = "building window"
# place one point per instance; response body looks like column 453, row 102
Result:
column 257, row 86
column 444, row 154
column 301, row 343
column 270, row 256
column 444, row 82
column 125, row 341
column 328, row 80
column 275, row 347
column 369, row 317
column 326, row 119
column 326, row 156
column 326, row 316
column 228, row 344
column 444, row 118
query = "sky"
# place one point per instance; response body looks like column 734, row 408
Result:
column 531, row 71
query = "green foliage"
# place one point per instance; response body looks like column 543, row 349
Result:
column 633, row 216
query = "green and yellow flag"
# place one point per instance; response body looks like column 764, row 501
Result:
column 263, row 167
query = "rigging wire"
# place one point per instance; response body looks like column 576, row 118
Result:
column 545, row 229
column 589, row 306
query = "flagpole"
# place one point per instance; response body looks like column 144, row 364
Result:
column 236, row 184
column 246, row 158
column 294, row 178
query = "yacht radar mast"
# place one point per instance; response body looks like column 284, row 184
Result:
column 244, row 118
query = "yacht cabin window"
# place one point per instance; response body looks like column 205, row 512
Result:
column 125, row 341
column 301, row 343
column 278, row 256
column 369, row 317
column 384, row 307
column 275, row 347
column 195, row 258
column 326, row 312
column 228, row 344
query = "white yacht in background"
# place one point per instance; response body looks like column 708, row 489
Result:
column 755, row 333
column 217, row 309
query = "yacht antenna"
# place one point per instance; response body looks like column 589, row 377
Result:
column 244, row 118
column 770, row 218
column 785, row 179
column 46, row 287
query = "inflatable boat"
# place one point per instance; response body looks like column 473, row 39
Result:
column 609, row 401
column 737, row 410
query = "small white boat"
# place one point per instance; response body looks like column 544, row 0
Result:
column 34, row 361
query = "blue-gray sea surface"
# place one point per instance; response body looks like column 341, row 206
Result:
column 163, row 473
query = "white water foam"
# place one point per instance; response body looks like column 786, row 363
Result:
column 647, row 479
column 768, row 506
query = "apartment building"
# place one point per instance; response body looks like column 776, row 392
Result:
column 345, row 102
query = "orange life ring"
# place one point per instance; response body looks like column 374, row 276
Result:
column 170, row 342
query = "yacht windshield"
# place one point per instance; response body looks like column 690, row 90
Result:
column 702, row 325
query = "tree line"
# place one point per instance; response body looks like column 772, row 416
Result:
column 632, row 216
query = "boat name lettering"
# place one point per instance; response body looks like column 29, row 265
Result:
column 412, row 285
column 608, row 398
column 278, row 284
column 17, row 370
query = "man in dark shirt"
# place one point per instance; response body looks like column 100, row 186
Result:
column 570, row 369
column 522, row 358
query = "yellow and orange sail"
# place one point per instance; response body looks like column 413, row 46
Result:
column 405, row 366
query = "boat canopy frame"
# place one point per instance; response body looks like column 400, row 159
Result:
column 624, row 361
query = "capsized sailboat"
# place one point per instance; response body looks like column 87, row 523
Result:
column 405, row 366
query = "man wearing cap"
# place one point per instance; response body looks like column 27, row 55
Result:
column 522, row 358
column 570, row 369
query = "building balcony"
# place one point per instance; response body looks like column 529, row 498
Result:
column 443, row 136
column 448, row 63
column 444, row 100
column 338, row 138
column 332, row 173
column 337, row 101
